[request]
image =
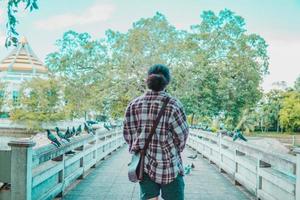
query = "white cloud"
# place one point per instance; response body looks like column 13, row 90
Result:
column 95, row 13
column 284, row 61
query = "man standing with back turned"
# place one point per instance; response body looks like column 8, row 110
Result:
column 163, row 168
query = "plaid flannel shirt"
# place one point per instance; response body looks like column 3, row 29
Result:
column 162, row 161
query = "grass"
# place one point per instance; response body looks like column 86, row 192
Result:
column 273, row 134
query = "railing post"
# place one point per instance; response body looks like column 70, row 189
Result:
column 82, row 162
column 297, row 189
column 95, row 152
column 258, row 179
column 220, row 152
column 21, row 169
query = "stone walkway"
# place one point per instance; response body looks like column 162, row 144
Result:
column 109, row 181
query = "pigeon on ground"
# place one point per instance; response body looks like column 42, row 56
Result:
column 187, row 169
column 52, row 138
column 5, row 186
column 193, row 156
column 192, row 166
column 61, row 135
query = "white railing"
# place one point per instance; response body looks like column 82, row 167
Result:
column 268, row 175
column 48, row 171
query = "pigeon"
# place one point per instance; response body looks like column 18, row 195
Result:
column 192, row 166
column 78, row 130
column 53, row 139
column 73, row 131
column 5, row 186
column 61, row 135
column 193, row 156
column 187, row 169
column 229, row 133
column 91, row 122
column 239, row 135
column 88, row 129
column 106, row 126
column 68, row 133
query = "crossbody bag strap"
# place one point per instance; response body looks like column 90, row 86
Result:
column 155, row 123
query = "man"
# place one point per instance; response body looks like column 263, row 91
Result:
column 163, row 164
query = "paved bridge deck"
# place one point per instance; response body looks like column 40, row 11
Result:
column 109, row 182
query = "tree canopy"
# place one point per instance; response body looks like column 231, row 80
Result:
column 40, row 101
column 217, row 67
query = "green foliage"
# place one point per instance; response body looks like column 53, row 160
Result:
column 81, row 64
column 216, row 68
column 227, row 67
column 40, row 102
column 247, row 122
column 2, row 94
column 297, row 84
column 268, row 110
column 12, row 9
column 290, row 111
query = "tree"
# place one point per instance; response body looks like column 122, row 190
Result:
column 81, row 64
column 12, row 9
column 40, row 102
column 2, row 95
column 150, row 41
column 297, row 84
column 289, row 114
column 228, row 66
column 216, row 68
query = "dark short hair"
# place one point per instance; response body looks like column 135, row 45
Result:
column 158, row 77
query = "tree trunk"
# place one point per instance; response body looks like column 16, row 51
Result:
column 192, row 122
column 261, row 125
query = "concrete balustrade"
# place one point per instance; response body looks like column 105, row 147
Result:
column 48, row 171
column 268, row 175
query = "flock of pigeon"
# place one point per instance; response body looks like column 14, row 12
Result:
column 68, row 134
column 233, row 134
column 65, row 136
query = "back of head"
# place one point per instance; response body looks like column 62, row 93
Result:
column 158, row 77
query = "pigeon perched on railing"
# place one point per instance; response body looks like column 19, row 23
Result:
column 239, row 135
column 89, row 129
column 68, row 133
column 91, row 122
column 52, row 138
column 106, row 126
column 73, row 131
column 61, row 135
column 78, row 130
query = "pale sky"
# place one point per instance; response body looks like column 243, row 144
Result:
column 277, row 21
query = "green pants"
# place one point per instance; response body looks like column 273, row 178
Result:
column 172, row 191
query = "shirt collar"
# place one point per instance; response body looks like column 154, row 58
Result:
column 151, row 92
